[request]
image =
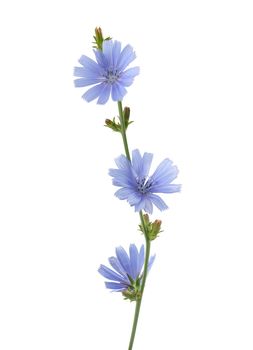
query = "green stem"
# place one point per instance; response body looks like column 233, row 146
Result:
column 145, row 271
column 147, row 250
column 123, row 130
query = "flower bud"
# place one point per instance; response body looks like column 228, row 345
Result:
column 112, row 125
column 126, row 114
column 152, row 229
column 156, row 229
column 99, row 39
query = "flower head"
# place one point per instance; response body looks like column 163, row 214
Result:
column 108, row 73
column 137, row 187
column 128, row 275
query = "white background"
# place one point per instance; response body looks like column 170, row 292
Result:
column 59, row 219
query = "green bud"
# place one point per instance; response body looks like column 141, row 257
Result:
column 156, row 229
column 152, row 229
column 116, row 126
column 113, row 125
column 126, row 114
column 146, row 219
column 99, row 39
column 147, row 224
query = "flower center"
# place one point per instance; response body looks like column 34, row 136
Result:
column 144, row 184
column 111, row 76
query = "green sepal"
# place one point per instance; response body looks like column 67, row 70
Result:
column 131, row 280
column 131, row 294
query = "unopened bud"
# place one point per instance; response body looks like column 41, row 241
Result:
column 126, row 113
column 151, row 229
column 155, row 229
column 112, row 125
column 99, row 39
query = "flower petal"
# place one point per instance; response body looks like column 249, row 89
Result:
column 116, row 287
column 104, row 95
column 117, row 267
column 158, row 202
column 137, row 162
column 85, row 82
column 101, row 60
column 122, row 162
column 135, row 198
column 133, row 253
column 124, row 193
column 141, row 165
column 89, row 64
column 107, row 51
column 123, row 259
column 167, row 177
column 131, row 72
column 141, row 259
column 93, row 92
column 110, row 274
column 141, row 205
column 148, row 206
column 151, row 261
column 118, row 91
column 163, row 170
column 128, row 76
column 146, row 164
column 85, row 73
column 126, row 57
column 121, row 178
column 116, row 53
column 169, row 188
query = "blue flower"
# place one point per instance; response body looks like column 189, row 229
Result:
column 128, row 269
column 108, row 74
column 137, row 187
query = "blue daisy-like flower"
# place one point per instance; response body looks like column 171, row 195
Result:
column 108, row 73
column 127, row 273
column 137, row 187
